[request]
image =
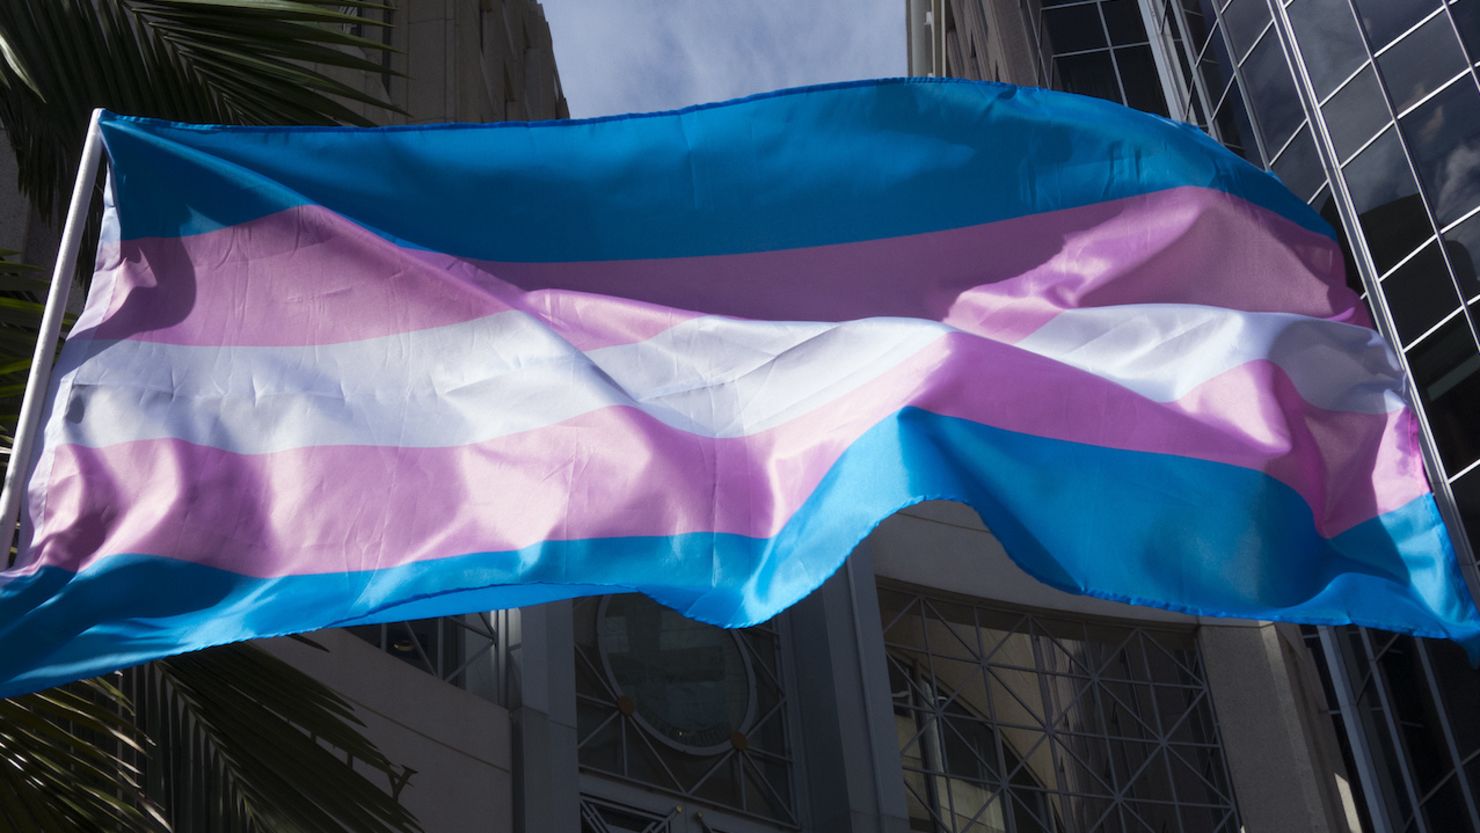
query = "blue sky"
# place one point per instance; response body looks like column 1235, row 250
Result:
column 622, row 56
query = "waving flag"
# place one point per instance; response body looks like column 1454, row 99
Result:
column 331, row 377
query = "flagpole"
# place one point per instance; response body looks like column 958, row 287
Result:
column 51, row 328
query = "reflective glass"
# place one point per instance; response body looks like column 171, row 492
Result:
column 1272, row 93
column 1233, row 127
column 1445, row 809
column 1462, row 244
column 1356, row 113
column 1387, row 201
column 1467, row 496
column 1200, row 18
column 1124, row 22
column 1421, row 63
column 688, row 680
column 1088, row 74
column 1139, row 78
column 1446, row 369
column 1074, row 28
column 1330, row 43
column 1299, row 166
column 1387, row 19
column 1079, row 726
column 1459, row 688
column 1467, row 20
column 1420, row 293
column 1444, row 137
column 1217, row 67
column 1413, row 706
column 1244, row 20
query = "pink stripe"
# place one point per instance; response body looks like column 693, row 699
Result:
column 619, row 472
column 309, row 276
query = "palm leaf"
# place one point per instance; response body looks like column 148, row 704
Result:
column 21, row 285
column 215, row 61
column 64, row 763
column 230, row 739
column 254, row 736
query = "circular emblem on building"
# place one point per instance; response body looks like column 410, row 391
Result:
column 690, row 685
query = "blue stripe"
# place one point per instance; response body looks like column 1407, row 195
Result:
column 1152, row 529
column 807, row 167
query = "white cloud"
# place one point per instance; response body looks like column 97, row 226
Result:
column 619, row 56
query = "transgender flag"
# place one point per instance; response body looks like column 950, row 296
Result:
column 331, row 376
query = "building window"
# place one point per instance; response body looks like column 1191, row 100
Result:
column 1009, row 720
column 461, row 650
column 698, row 712
column 1100, row 48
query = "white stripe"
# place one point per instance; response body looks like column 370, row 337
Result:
column 713, row 376
column 470, row 382
column 1164, row 351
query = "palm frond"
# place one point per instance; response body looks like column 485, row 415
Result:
column 257, row 736
column 218, row 61
column 63, row 767
column 21, row 287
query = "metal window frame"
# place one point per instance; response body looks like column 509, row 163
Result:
column 593, row 777
column 1090, row 693
column 1374, row 786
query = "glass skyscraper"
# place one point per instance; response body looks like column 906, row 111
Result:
column 1369, row 110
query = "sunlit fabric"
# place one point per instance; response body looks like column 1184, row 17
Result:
column 332, row 377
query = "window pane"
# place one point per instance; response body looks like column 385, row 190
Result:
column 1445, row 809
column 1355, row 114
column 1420, row 293
column 1387, row 202
column 1459, row 688
column 1123, row 20
column 1217, row 66
column 1200, row 19
column 1444, row 137
column 1420, row 63
column 1074, row 28
column 1330, row 43
column 1413, row 706
column 1299, row 167
column 1462, row 244
column 1244, row 20
column 1089, row 74
column 1387, row 19
column 1467, row 20
column 1234, row 128
column 1138, row 76
column 1446, row 369
column 1467, row 496
column 1272, row 93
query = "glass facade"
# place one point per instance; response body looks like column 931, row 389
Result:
column 1370, row 110
column 462, row 650
column 688, row 709
column 1010, row 720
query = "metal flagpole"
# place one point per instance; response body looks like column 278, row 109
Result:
column 51, row 328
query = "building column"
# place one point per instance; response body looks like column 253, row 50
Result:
column 547, row 769
column 1282, row 750
column 850, row 765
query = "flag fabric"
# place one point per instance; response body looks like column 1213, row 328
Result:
column 330, row 377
